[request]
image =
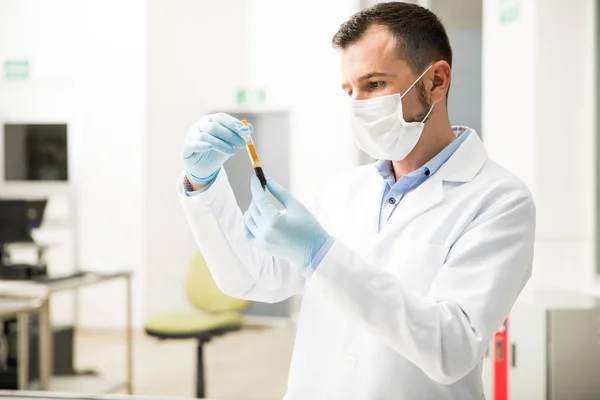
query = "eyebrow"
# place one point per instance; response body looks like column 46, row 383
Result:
column 370, row 75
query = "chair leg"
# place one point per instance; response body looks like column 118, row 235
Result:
column 200, row 385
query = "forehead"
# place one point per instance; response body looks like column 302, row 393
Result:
column 376, row 50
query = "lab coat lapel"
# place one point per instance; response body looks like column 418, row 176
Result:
column 356, row 222
column 369, row 213
column 463, row 166
column 415, row 203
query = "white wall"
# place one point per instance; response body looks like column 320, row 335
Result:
column 195, row 63
column 566, row 133
column 109, row 93
column 538, row 119
column 87, row 69
column 295, row 60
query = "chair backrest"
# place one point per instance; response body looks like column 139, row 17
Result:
column 203, row 292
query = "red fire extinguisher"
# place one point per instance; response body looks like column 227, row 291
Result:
column 501, row 363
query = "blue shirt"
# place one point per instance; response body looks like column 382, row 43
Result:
column 394, row 191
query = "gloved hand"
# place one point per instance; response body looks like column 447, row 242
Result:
column 209, row 143
column 293, row 234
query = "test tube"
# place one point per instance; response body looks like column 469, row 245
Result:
column 254, row 158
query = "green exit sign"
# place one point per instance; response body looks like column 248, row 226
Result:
column 510, row 11
column 509, row 15
column 16, row 69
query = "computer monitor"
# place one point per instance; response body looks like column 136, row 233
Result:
column 14, row 224
column 35, row 212
column 35, row 152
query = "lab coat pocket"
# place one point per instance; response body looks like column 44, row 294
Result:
column 416, row 263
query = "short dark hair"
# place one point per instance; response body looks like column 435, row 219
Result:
column 421, row 37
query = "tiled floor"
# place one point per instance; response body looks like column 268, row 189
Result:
column 251, row 364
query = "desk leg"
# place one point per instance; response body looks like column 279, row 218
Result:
column 129, row 333
column 23, row 350
column 44, row 346
column 50, row 338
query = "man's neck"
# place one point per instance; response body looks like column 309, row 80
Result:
column 432, row 142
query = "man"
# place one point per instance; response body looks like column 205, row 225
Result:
column 408, row 266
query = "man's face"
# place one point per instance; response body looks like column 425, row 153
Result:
column 371, row 68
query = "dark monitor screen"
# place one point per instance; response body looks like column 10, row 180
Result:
column 35, row 152
column 14, row 222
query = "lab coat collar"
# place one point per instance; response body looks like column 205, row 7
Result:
column 462, row 166
column 466, row 162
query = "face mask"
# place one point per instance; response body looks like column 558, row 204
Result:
column 379, row 127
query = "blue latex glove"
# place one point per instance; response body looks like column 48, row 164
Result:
column 209, row 143
column 293, row 234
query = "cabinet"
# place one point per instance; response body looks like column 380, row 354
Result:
column 555, row 343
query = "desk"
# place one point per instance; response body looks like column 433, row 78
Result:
column 88, row 279
column 20, row 300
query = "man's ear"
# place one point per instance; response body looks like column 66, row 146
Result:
column 440, row 75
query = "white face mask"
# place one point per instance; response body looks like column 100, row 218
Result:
column 379, row 127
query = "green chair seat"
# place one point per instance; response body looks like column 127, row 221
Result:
column 181, row 323
column 217, row 314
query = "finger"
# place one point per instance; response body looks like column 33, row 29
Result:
column 259, row 197
column 281, row 194
column 218, row 144
column 234, row 124
column 208, row 142
column 248, row 235
column 254, row 210
column 191, row 149
column 250, row 224
column 222, row 132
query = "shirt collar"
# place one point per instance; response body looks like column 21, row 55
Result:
column 386, row 171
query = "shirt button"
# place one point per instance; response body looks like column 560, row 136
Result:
column 392, row 200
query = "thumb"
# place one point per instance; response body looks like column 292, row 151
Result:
column 281, row 194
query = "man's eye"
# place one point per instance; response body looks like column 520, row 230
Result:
column 375, row 85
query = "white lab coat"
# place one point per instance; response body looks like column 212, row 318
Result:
column 404, row 313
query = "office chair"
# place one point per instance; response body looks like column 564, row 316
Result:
column 217, row 314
